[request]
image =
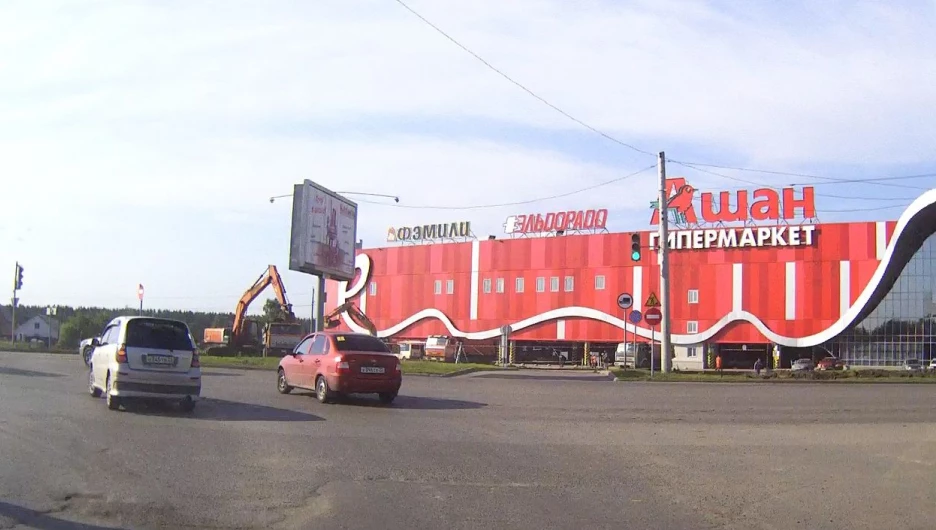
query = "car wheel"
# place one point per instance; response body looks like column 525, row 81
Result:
column 322, row 392
column 187, row 404
column 281, row 385
column 113, row 402
column 86, row 355
column 387, row 397
column 93, row 390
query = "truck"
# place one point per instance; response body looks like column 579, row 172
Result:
column 251, row 336
column 440, row 348
column 627, row 355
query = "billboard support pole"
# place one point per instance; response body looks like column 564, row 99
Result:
column 663, row 256
column 320, row 304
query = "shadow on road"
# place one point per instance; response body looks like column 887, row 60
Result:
column 220, row 410
column 411, row 402
column 569, row 377
column 42, row 521
column 6, row 370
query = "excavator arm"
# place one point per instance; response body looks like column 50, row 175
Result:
column 358, row 316
column 269, row 277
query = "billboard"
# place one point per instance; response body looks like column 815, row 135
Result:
column 324, row 232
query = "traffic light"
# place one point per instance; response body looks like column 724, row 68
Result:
column 18, row 277
column 635, row 247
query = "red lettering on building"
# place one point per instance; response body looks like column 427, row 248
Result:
column 763, row 204
column 555, row 221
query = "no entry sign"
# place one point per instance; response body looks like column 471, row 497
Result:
column 653, row 316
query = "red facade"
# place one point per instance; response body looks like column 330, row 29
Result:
column 796, row 293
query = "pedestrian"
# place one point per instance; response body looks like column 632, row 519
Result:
column 718, row 364
column 757, row 366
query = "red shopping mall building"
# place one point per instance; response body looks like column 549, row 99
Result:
column 752, row 274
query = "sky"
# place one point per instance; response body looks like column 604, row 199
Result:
column 140, row 141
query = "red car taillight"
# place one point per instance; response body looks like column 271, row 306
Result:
column 341, row 366
column 398, row 367
column 122, row 354
column 196, row 362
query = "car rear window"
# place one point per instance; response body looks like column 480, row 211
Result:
column 360, row 343
column 158, row 334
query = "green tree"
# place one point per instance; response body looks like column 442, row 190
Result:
column 272, row 311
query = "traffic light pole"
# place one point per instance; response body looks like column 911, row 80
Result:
column 663, row 256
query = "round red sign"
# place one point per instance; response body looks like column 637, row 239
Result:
column 653, row 316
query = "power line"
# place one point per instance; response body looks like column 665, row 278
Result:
column 881, row 181
column 521, row 86
column 516, row 203
column 761, row 184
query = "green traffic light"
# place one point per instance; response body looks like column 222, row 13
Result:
column 635, row 255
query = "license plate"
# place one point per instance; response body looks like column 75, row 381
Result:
column 159, row 360
column 372, row 369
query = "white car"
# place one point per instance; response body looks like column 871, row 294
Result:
column 144, row 357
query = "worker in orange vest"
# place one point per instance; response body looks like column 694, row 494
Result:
column 718, row 362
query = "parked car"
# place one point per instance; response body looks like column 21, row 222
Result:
column 85, row 349
column 335, row 364
column 831, row 363
column 932, row 365
column 913, row 365
column 145, row 357
column 802, row 365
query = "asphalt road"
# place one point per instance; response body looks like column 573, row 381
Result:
column 490, row 450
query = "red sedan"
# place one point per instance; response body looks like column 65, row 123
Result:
column 334, row 364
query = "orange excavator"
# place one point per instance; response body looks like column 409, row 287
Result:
column 358, row 316
column 251, row 336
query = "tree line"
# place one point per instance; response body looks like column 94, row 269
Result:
column 78, row 323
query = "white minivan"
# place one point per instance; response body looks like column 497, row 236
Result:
column 145, row 357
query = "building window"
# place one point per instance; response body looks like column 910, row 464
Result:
column 554, row 284
column 438, row 287
column 540, row 284
column 693, row 296
column 691, row 351
column 449, row 286
column 487, row 285
column 36, row 324
column 373, row 288
column 692, row 326
column 499, row 285
column 599, row 283
column 518, row 286
column 569, row 283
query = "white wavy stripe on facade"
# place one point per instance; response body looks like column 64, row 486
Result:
column 927, row 199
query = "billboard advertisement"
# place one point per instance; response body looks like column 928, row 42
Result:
column 324, row 232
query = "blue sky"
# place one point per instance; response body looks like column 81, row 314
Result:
column 140, row 141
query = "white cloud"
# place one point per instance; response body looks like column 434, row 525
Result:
column 186, row 107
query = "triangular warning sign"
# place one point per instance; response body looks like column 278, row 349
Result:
column 652, row 301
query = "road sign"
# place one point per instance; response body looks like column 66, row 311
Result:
column 652, row 301
column 140, row 291
column 635, row 317
column 625, row 300
column 653, row 316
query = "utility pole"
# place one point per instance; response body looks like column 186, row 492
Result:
column 663, row 258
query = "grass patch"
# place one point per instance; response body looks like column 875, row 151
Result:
column 437, row 368
column 264, row 363
column 409, row 367
column 847, row 376
column 34, row 347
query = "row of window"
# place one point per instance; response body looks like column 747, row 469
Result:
column 498, row 286
column 691, row 326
